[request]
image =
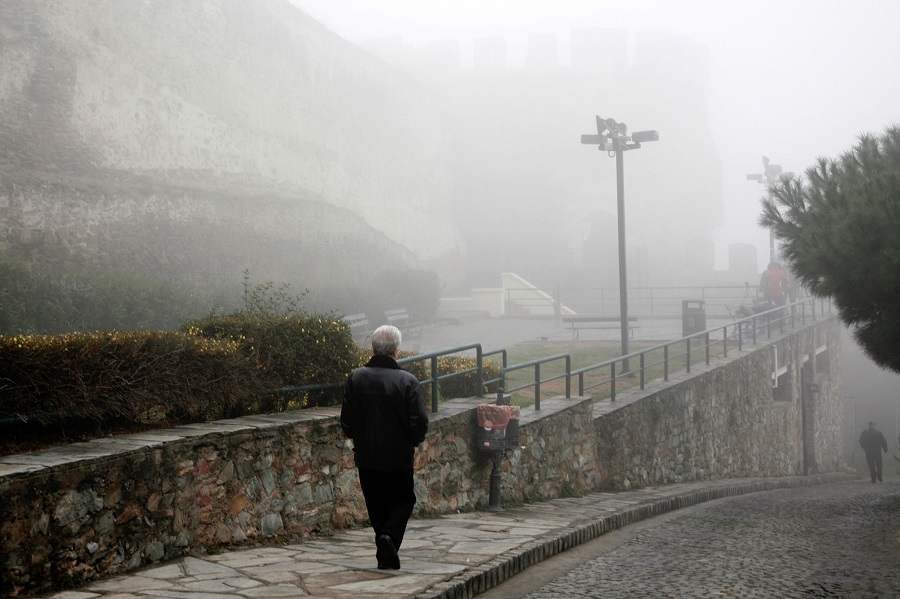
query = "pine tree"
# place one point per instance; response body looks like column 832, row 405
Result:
column 840, row 234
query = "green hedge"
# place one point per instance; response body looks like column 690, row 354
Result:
column 292, row 350
column 85, row 382
column 59, row 388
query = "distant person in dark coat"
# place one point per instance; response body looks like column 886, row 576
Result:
column 384, row 413
column 873, row 443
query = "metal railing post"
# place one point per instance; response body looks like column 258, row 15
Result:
column 688, row 340
column 434, row 385
column 537, row 387
column 707, row 347
column 612, row 382
column 479, row 377
column 643, row 372
column 666, row 363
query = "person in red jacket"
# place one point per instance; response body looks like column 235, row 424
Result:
column 384, row 414
column 774, row 283
column 873, row 443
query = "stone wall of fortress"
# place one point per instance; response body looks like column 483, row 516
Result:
column 202, row 103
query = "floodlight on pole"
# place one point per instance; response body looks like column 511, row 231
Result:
column 613, row 138
column 771, row 173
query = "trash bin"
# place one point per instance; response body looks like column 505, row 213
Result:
column 493, row 421
column 693, row 317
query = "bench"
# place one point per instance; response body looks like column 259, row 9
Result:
column 577, row 322
column 358, row 325
column 400, row 319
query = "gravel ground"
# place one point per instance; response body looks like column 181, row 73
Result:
column 836, row 540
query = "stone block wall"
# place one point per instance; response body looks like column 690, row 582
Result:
column 88, row 510
column 187, row 234
column 227, row 97
column 727, row 421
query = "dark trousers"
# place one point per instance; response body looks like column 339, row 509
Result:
column 874, row 461
column 390, row 498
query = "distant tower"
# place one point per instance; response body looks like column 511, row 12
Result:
column 543, row 51
column 489, row 52
column 598, row 47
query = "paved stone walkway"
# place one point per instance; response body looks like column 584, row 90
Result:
column 452, row 556
column 839, row 540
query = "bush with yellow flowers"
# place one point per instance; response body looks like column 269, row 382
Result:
column 293, row 351
column 81, row 383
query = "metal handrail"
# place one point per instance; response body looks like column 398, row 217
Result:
column 434, row 379
column 537, row 376
column 767, row 321
column 505, row 360
column 433, row 358
column 762, row 323
column 658, row 302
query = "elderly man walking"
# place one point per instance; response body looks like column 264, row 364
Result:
column 384, row 413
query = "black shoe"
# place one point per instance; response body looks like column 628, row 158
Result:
column 389, row 558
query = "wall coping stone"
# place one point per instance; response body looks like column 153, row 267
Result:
column 63, row 456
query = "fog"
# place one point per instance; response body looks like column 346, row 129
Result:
column 789, row 80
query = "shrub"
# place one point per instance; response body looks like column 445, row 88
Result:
column 90, row 381
column 292, row 350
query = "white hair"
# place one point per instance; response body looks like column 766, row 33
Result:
column 385, row 340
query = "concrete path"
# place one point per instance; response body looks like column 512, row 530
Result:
column 458, row 555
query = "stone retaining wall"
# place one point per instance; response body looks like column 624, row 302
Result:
column 87, row 510
column 728, row 421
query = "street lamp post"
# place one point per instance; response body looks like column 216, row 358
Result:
column 771, row 173
column 612, row 138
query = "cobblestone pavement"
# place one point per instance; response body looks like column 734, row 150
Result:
column 834, row 540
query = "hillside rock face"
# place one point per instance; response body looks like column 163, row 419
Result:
column 211, row 136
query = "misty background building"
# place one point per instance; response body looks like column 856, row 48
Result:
column 530, row 198
column 200, row 140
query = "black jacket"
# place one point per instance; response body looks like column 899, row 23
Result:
column 384, row 413
column 873, row 441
